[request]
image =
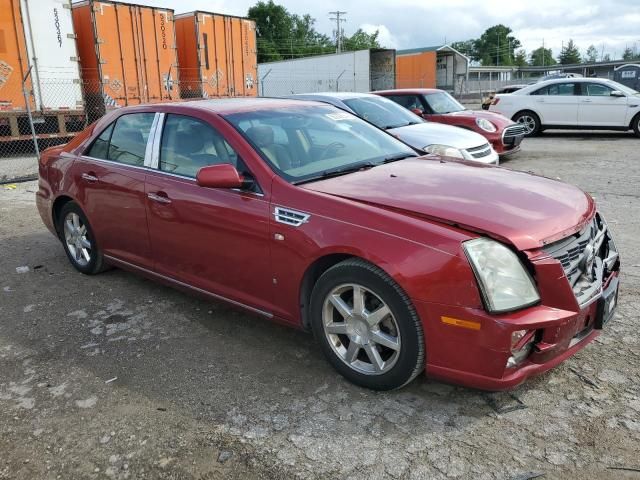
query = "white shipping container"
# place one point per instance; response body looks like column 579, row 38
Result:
column 359, row 71
column 52, row 54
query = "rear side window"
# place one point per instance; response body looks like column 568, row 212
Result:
column 557, row 89
column 129, row 138
column 100, row 146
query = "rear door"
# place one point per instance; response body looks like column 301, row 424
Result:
column 557, row 103
column 110, row 177
column 211, row 238
column 598, row 108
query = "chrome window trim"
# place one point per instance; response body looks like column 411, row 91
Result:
column 155, row 145
column 148, row 152
column 113, row 162
column 191, row 287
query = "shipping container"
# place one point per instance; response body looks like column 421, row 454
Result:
column 416, row 70
column 359, row 71
column 440, row 66
column 217, row 55
column 127, row 54
column 38, row 47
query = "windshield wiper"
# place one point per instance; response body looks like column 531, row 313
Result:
column 399, row 156
column 340, row 171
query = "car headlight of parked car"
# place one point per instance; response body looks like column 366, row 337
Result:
column 445, row 151
column 485, row 125
column 504, row 282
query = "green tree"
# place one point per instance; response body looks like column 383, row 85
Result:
column 591, row 55
column 569, row 54
column 628, row 54
column 541, row 57
column 361, row 40
column 606, row 58
column 520, row 60
column 466, row 47
column 281, row 35
column 496, row 46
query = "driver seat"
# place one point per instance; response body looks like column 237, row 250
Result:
column 262, row 136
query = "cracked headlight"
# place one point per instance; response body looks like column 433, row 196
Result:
column 485, row 125
column 504, row 282
column 444, row 151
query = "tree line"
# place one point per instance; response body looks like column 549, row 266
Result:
column 497, row 46
column 282, row 35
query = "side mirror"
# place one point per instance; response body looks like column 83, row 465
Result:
column 418, row 111
column 617, row 93
column 223, row 175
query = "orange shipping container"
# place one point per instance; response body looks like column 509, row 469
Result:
column 127, row 53
column 416, row 70
column 217, row 55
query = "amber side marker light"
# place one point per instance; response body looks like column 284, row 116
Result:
column 456, row 322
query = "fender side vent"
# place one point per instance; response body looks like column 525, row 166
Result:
column 290, row 217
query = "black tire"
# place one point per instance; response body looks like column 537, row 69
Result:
column 635, row 124
column 95, row 264
column 408, row 360
column 530, row 120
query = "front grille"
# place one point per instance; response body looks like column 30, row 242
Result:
column 587, row 258
column 481, row 151
column 510, row 134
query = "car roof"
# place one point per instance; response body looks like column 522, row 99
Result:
column 553, row 81
column 225, row 106
column 415, row 91
column 338, row 95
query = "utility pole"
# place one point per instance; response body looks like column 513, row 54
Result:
column 338, row 19
column 544, row 53
column 498, row 51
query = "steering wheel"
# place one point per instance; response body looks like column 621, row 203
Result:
column 332, row 147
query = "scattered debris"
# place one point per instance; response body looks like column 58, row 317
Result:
column 161, row 409
column 529, row 476
column 111, row 380
column 584, row 378
column 504, row 402
column 11, row 186
column 224, row 456
column 88, row 403
column 38, row 267
column 24, row 269
column 626, row 469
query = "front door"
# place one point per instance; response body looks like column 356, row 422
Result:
column 213, row 239
column 599, row 108
column 111, row 176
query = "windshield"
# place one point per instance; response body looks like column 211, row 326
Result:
column 383, row 113
column 623, row 88
column 442, row 102
column 302, row 142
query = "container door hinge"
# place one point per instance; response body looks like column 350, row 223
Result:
column 74, row 59
column 72, row 35
column 67, row 5
column 99, row 41
column 102, row 62
column 76, row 80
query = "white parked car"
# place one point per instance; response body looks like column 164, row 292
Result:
column 572, row 103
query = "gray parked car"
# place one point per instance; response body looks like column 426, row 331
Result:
column 427, row 137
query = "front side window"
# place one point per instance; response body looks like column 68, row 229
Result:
column 597, row 90
column 442, row 102
column 409, row 102
column 188, row 144
column 557, row 89
column 321, row 141
column 129, row 138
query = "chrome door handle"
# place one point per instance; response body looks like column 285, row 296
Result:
column 158, row 198
column 89, row 178
column 586, row 100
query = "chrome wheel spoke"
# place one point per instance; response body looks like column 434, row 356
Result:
column 340, row 305
column 68, row 226
column 76, row 221
column 377, row 316
column 352, row 352
column 385, row 340
column 85, row 254
column 374, row 357
column 85, row 243
column 336, row 328
column 358, row 300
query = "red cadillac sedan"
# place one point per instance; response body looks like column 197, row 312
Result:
column 307, row 215
column 438, row 106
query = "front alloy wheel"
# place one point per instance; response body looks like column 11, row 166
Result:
column 367, row 326
column 361, row 329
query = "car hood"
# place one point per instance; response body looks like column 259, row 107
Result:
column 497, row 119
column 525, row 210
column 422, row 135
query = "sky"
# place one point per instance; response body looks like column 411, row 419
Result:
column 610, row 25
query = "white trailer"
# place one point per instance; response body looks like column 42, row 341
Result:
column 359, row 71
column 39, row 53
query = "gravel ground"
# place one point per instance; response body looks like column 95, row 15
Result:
column 18, row 168
column 117, row 377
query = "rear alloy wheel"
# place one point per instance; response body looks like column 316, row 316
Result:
column 530, row 121
column 636, row 125
column 78, row 240
column 367, row 326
